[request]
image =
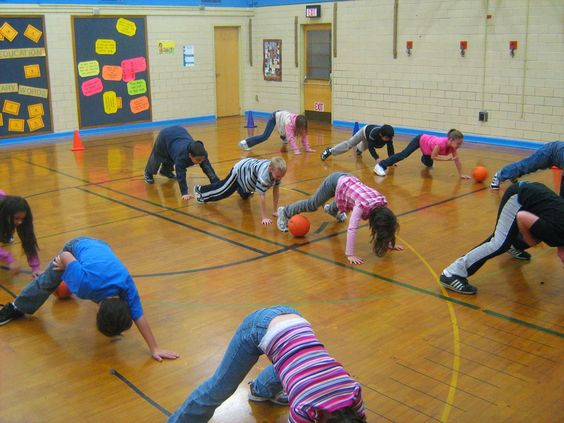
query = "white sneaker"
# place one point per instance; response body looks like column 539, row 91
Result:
column 244, row 146
column 379, row 170
column 282, row 221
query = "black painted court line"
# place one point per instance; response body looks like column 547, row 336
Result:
column 218, row 266
column 399, row 402
column 321, row 228
column 8, row 291
column 413, row 388
column 140, row 393
column 402, row 284
column 444, row 383
column 168, row 219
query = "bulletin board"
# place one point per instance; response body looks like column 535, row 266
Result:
column 111, row 70
column 25, row 106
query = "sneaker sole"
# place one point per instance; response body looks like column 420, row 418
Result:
column 447, row 286
column 270, row 400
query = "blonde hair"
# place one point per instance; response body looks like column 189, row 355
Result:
column 278, row 163
column 455, row 134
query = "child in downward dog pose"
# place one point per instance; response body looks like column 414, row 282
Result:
column 433, row 148
column 246, row 177
column 289, row 126
column 15, row 216
column 320, row 389
column 350, row 195
column 369, row 137
column 92, row 272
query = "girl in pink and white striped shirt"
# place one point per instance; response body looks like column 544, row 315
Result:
column 350, row 195
column 318, row 387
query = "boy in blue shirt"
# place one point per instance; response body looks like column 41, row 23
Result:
column 92, row 271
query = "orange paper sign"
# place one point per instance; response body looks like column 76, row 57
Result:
column 33, row 33
column 16, row 125
column 35, row 123
column 140, row 104
column 112, row 73
column 11, row 107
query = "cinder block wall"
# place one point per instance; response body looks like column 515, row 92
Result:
column 433, row 89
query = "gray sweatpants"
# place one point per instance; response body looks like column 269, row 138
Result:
column 505, row 234
column 358, row 139
column 325, row 192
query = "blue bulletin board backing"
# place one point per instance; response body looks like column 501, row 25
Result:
column 25, row 107
column 111, row 70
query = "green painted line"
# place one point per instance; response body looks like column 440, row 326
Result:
column 524, row 323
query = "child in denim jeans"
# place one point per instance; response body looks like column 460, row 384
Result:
column 319, row 387
column 92, row 272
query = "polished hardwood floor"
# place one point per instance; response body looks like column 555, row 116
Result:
column 422, row 354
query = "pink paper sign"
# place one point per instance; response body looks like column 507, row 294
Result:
column 92, row 86
column 132, row 66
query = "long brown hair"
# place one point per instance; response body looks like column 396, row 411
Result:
column 9, row 206
column 383, row 227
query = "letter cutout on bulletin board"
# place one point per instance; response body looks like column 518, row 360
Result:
column 117, row 47
column 24, row 77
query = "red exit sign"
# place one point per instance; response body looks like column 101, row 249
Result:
column 313, row 11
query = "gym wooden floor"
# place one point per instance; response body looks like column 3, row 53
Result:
column 422, row 354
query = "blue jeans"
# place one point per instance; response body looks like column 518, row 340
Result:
column 38, row 290
column 257, row 139
column 550, row 154
column 407, row 151
column 241, row 355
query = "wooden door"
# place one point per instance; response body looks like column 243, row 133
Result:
column 227, row 71
column 317, row 81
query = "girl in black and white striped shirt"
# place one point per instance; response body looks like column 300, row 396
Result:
column 246, row 177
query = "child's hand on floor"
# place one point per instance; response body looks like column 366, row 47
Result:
column 355, row 260
column 266, row 221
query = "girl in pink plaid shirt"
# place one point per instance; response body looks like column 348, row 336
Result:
column 350, row 195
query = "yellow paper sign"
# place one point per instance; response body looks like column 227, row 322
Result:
column 1, row 37
column 8, row 31
column 16, row 53
column 35, row 123
column 119, row 102
column 32, row 71
column 90, row 68
column 1, row 120
column 126, row 27
column 105, row 46
column 16, row 125
column 11, row 107
column 35, row 110
column 33, row 33
column 33, row 91
column 136, row 87
column 110, row 103
column 12, row 87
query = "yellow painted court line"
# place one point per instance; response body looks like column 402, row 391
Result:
column 455, row 334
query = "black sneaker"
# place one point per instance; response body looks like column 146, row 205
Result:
column 495, row 183
column 457, row 284
column 326, row 153
column 168, row 173
column 149, row 178
column 357, row 152
column 8, row 313
column 198, row 195
column 279, row 399
column 518, row 254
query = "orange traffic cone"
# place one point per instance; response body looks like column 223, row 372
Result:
column 76, row 143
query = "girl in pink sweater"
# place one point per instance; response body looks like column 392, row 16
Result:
column 432, row 148
column 351, row 195
column 15, row 216
column 289, row 126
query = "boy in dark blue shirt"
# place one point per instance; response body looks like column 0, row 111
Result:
column 92, row 271
column 174, row 146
